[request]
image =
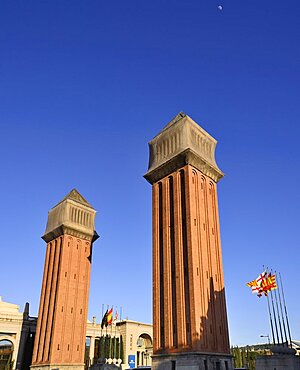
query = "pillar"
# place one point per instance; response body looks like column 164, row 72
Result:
column 62, row 318
column 189, row 308
column 92, row 350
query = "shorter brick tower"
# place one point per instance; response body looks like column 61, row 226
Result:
column 61, row 327
column 190, row 328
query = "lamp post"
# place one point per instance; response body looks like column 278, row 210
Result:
column 266, row 336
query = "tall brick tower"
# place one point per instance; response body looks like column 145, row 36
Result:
column 61, row 327
column 189, row 309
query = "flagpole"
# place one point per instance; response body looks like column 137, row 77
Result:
column 110, row 342
column 102, row 317
column 106, row 322
column 278, row 313
column 274, row 316
column 115, row 341
column 271, row 321
column 286, row 315
column 120, row 333
column 270, row 315
column 283, row 321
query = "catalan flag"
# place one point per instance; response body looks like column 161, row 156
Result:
column 268, row 284
column 116, row 316
column 255, row 285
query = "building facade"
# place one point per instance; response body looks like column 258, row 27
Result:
column 18, row 329
column 135, row 338
column 17, row 332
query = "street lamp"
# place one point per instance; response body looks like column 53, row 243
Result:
column 266, row 336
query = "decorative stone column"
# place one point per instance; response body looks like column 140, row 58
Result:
column 92, row 350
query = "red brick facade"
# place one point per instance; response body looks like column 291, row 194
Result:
column 63, row 310
column 188, row 287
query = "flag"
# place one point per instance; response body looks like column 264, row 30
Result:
column 109, row 317
column 268, row 284
column 116, row 316
column 256, row 285
column 104, row 320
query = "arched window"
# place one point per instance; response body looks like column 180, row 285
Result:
column 6, row 352
column 144, row 350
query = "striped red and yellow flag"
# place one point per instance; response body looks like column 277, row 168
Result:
column 255, row 285
column 269, row 283
column 109, row 316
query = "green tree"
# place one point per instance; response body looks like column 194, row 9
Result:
column 101, row 347
column 252, row 359
column 237, row 357
column 121, row 349
column 244, row 357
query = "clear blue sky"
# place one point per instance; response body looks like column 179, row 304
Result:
column 84, row 85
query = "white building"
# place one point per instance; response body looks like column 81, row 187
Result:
column 17, row 332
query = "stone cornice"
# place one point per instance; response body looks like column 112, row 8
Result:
column 179, row 143
column 73, row 216
column 179, row 161
column 62, row 230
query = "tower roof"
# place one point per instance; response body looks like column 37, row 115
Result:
column 182, row 141
column 72, row 215
column 176, row 119
column 77, row 197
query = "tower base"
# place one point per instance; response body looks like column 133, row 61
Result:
column 58, row 367
column 192, row 361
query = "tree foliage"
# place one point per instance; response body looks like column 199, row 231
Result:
column 245, row 357
column 108, row 346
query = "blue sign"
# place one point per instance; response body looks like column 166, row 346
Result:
column 131, row 361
